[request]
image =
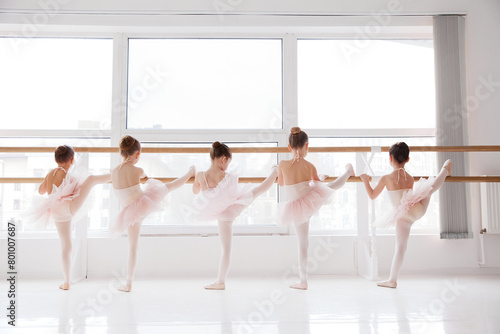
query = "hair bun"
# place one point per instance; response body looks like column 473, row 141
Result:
column 61, row 149
column 216, row 144
column 127, row 142
column 295, row 130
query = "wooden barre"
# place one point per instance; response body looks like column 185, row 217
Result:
column 260, row 179
column 346, row 149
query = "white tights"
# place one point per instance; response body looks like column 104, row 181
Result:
column 302, row 231
column 403, row 228
column 64, row 228
column 226, row 236
column 134, row 232
column 341, row 180
column 64, row 231
column 226, row 229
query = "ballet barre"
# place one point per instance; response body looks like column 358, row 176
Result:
column 338, row 149
column 261, row 179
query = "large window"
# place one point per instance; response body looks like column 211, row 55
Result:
column 245, row 89
column 204, row 84
column 56, row 83
column 389, row 84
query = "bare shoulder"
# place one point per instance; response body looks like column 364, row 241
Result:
column 411, row 180
column 309, row 164
column 284, row 163
column 138, row 170
column 386, row 180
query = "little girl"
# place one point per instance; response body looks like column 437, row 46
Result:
column 305, row 194
column 136, row 203
column 409, row 203
column 222, row 199
column 65, row 196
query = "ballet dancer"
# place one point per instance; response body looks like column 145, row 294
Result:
column 137, row 203
column 305, row 195
column 409, row 203
column 219, row 197
column 66, row 195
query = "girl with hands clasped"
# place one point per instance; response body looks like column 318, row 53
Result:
column 305, row 195
column 409, row 202
column 137, row 203
column 220, row 197
column 66, row 195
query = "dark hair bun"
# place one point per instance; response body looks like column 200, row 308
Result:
column 400, row 151
column 129, row 145
column 127, row 142
column 64, row 153
column 61, row 149
column 220, row 150
column 297, row 137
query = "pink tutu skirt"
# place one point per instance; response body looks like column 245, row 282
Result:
column 409, row 206
column 138, row 204
column 55, row 206
column 224, row 202
column 304, row 200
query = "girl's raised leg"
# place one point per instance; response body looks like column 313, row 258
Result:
column 85, row 189
column 342, row 179
column 266, row 184
column 181, row 180
column 438, row 182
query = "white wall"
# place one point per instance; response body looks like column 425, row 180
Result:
column 274, row 254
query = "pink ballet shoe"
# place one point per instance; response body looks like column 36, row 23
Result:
column 299, row 286
column 64, row 286
column 274, row 170
column 192, row 169
column 323, row 177
column 350, row 168
column 216, row 286
column 388, row 284
column 447, row 165
column 125, row 288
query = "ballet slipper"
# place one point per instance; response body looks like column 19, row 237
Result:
column 125, row 288
column 299, row 286
column 216, row 286
column 350, row 168
column 388, row 284
column 323, row 177
column 64, row 286
column 447, row 165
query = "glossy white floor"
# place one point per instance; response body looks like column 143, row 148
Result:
column 333, row 304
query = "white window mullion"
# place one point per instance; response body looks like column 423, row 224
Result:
column 290, row 83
